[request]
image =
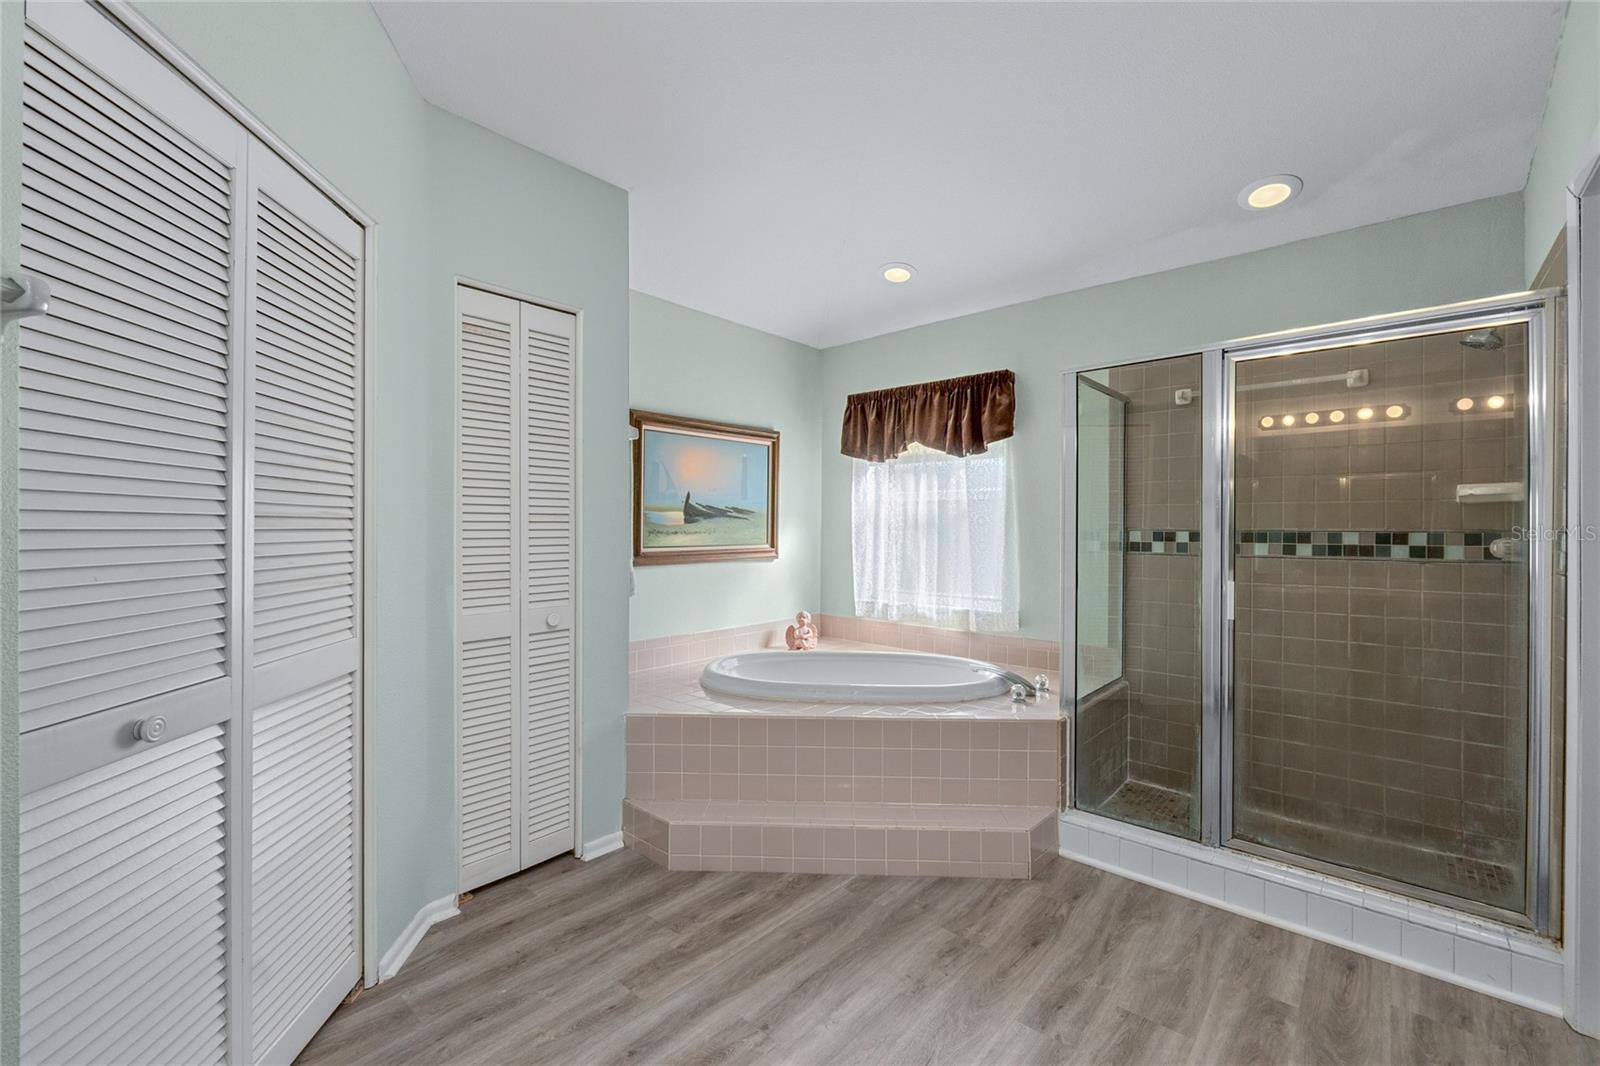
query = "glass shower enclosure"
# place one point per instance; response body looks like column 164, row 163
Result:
column 1314, row 579
column 1138, row 605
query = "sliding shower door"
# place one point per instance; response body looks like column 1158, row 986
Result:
column 1316, row 582
column 1137, row 711
column 1383, row 567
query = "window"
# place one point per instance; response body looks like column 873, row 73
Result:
column 933, row 539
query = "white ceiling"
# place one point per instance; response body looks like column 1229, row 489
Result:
column 776, row 155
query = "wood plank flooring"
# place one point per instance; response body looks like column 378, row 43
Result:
column 619, row 960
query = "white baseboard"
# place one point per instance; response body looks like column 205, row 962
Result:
column 421, row 922
column 1474, row 953
column 601, row 846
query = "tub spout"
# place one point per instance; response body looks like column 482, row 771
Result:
column 1015, row 680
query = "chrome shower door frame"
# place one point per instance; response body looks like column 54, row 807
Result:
column 1068, row 697
column 1537, row 311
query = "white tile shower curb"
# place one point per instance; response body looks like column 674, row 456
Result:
column 1481, row 955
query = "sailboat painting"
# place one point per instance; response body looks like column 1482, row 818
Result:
column 703, row 491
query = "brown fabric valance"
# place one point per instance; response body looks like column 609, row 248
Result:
column 957, row 416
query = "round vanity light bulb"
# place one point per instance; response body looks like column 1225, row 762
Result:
column 1267, row 421
column 1312, row 418
column 1288, row 420
column 1335, row 417
column 1464, row 404
column 1394, row 410
column 1364, row 414
column 1496, row 402
column 898, row 273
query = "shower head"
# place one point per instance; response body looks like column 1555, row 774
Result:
column 1484, row 340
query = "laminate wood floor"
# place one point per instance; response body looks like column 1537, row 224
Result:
column 619, row 961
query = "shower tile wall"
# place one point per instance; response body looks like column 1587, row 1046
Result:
column 1381, row 709
column 1102, row 745
column 1162, row 590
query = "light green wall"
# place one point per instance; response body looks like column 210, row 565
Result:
column 1571, row 125
column 1454, row 254
column 685, row 362
column 448, row 198
column 524, row 222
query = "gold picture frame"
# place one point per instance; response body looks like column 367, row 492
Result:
column 734, row 469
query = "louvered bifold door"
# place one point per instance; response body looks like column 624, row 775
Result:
column 488, row 575
column 130, row 593
column 548, row 376
column 303, row 332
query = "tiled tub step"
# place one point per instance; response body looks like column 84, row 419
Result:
column 797, row 758
column 939, row 840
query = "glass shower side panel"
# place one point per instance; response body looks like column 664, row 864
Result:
column 1382, row 606
column 1102, row 442
column 1137, row 715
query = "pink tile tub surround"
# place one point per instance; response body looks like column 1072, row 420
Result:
column 677, row 650
column 758, row 758
column 681, row 649
column 1016, row 652
column 956, row 789
column 676, row 689
column 890, row 839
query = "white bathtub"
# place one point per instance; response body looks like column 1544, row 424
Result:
column 876, row 677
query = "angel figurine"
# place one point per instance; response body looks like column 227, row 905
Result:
column 802, row 636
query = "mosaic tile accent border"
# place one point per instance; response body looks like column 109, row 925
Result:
column 1162, row 541
column 1465, row 546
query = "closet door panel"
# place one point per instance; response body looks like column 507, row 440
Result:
column 130, row 604
column 488, row 743
column 190, row 569
column 303, row 335
column 129, row 211
column 548, row 345
column 303, row 888
column 124, row 908
column 488, row 576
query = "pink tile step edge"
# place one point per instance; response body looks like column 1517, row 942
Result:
column 996, row 842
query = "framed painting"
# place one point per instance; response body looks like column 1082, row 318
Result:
column 703, row 491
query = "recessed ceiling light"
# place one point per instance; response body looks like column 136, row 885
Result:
column 1267, row 421
column 1465, row 403
column 1364, row 414
column 1275, row 191
column 1335, row 416
column 898, row 273
column 1497, row 402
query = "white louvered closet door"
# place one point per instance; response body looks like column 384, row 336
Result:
column 190, row 593
column 515, row 584
column 129, row 608
column 548, row 343
column 488, row 572
column 303, row 333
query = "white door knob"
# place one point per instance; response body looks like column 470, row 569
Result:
column 150, row 729
column 552, row 619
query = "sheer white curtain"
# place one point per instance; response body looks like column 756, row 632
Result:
column 933, row 539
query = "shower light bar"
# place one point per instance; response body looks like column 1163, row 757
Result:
column 1338, row 416
column 1496, row 403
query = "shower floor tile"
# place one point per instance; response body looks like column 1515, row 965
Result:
column 1483, row 881
column 1151, row 806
